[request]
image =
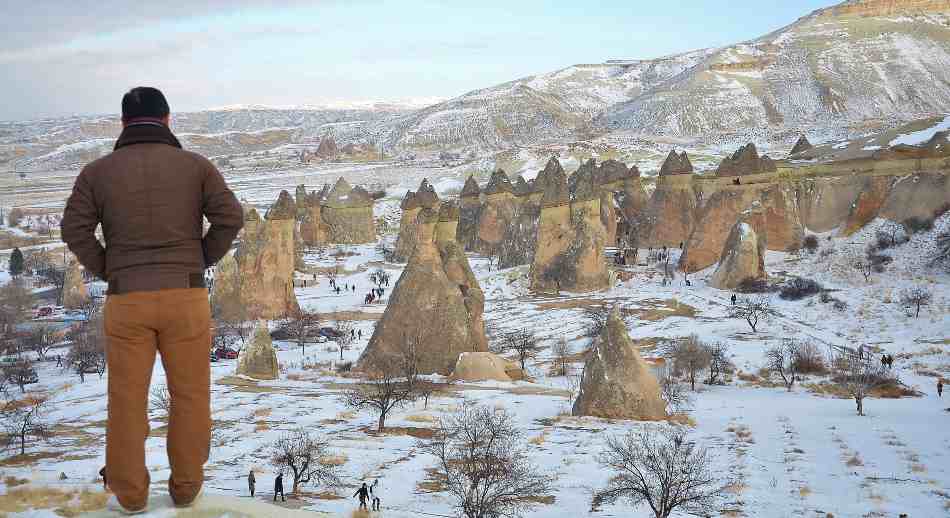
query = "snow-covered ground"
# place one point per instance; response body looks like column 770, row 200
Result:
column 790, row 454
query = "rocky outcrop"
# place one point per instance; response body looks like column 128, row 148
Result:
column 469, row 206
column 571, row 240
column 745, row 161
column 743, row 255
column 424, row 197
column 436, row 306
column 616, row 382
column 483, row 366
column 348, row 214
column 447, row 227
column 75, row 295
column 498, row 210
column 676, row 164
column 258, row 359
column 862, row 8
column 260, row 282
column 313, row 231
column 800, row 147
column 783, row 227
column 922, row 197
column 868, row 204
column 327, row 148
column 300, row 200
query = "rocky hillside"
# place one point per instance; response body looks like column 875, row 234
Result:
column 857, row 64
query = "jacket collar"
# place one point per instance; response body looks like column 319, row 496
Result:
column 142, row 131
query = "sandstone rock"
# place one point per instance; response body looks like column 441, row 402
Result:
column 469, row 207
column 826, row 202
column 745, row 160
column 552, row 182
column 447, row 227
column 869, row 203
column 616, row 382
column 300, row 200
column 265, row 261
column 436, row 305
column 676, row 164
column 613, row 173
column 226, row 297
column 800, row 147
column 313, row 232
column 482, row 366
column 743, row 256
column 258, row 359
column 348, row 214
column 570, row 244
column 921, row 196
column 782, row 230
column 521, row 187
column 327, row 147
column 75, row 294
column 582, row 184
column 496, row 213
column 671, row 214
column 425, row 197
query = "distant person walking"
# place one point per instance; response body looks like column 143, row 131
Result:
column 151, row 198
column 363, row 494
column 939, row 388
column 250, row 482
column 374, row 492
column 279, row 487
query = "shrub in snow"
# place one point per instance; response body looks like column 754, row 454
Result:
column 799, row 288
column 890, row 235
column 916, row 297
column 754, row 286
column 915, row 225
column 810, row 243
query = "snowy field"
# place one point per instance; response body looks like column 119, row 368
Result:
column 788, row 454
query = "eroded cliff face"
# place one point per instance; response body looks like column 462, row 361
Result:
column 743, row 255
column 436, row 306
column 257, row 281
column 782, row 230
column 348, row 214
column 616, row 382
column 412, row 204
column 312, row 230
column 571, row 240
column 865, row 8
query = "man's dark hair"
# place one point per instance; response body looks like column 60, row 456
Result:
column 144, row 101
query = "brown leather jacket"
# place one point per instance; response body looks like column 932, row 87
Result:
column 150, row 197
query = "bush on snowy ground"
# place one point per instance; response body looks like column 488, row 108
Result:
column 916, row 297
column 889, row 235
column 810, row 244
column 915, row 225
column 799, row 287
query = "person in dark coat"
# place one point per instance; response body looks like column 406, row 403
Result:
column 733, row 299
column 250, row 482
column 363, row 494
column 939, row 388
column 279, row 487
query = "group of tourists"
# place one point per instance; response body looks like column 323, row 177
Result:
column 364, row 493
column 374, row 295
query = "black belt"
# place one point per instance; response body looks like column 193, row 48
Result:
column 156, row 282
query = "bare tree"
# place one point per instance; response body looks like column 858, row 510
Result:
column 560, row 358
column 87, row 354
column 39, row 340
column 20, row 373
column 752, row 310
column 860, row 262
column 915, row 297
column 382, row 392
column 302, row 326
column 345, row 328
column 15, row 303
column 307, row 457
column 689, row 355
column 521, row 342
column 674, row 393
column 241, row 329
column 56, row 276
column 942, row 251
column 595, row 320
column 481, row 460
column 661, row 469
column 161, row 400
column 782, row 359
column 24, row 419
column 719, row 363
column 859, row 374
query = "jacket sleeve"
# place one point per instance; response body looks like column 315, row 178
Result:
column 224, row 213
column 78, row 227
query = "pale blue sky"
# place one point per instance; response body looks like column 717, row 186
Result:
column 75, row 56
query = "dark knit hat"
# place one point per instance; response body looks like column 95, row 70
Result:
column 144, row 102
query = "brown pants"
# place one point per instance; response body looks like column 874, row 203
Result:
column 175, row 323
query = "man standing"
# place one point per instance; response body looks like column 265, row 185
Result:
column 151, row 198
column 363, row 494
column 250, row 482
column 939, row 387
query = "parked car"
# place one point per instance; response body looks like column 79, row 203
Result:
column 43, row 312
column 225, row 353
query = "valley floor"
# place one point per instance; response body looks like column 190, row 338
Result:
column 789, row 454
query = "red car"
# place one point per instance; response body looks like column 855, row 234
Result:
column 44, row 312
column 225, row 353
